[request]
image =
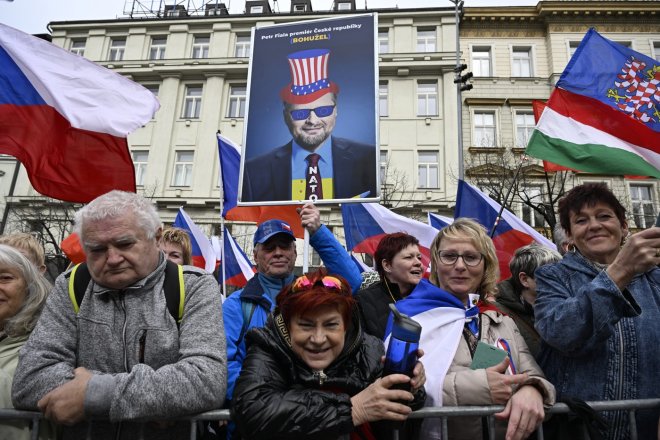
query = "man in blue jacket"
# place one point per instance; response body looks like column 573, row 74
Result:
column 275, row 256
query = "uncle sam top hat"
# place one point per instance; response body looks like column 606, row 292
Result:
column 309, row 77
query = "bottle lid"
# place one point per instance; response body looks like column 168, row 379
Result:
column 405, row 328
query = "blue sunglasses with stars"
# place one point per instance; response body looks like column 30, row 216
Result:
column 303, row 113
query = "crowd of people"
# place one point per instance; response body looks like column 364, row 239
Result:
column 129, row 342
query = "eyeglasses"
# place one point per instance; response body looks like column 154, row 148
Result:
column 469, row 258
column 303, row 283
column 303, row 113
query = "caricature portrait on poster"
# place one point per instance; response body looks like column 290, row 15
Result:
column 311, row 123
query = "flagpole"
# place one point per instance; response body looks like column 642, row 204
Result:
column 503, row 204
column 222, row 222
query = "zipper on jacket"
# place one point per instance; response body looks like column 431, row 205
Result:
column 123, row 332
column 143, row 340
column 321, row 376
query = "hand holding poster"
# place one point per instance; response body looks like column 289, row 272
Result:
column 311, row 127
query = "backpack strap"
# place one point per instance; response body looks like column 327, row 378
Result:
column 247, row 307
column 174, row 290
column 173, row 287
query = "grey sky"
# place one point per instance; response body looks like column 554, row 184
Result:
column 33, row 15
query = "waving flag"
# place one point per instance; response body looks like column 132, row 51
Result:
column 203, row 254
column 439, row 221
column 236, row 265
column 66, row 119
column 511, row 232
column 72, row 248
column 604, row 116
column 442, row 317
column 230, row 160
column 366, row 223
column 360, row 265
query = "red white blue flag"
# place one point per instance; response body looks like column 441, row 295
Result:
column 66, row 118
column 604, row 115
column 442, row 317
column 511, row 232
column 236, row 266
column 366, row 223
column 439, row 221
column 203, row 255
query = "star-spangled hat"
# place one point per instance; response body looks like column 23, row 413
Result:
column 309, row 77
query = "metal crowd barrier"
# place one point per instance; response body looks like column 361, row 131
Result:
column 443, row 413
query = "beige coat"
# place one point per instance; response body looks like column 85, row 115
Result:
column 463, row 386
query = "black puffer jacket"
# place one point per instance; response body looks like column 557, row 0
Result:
column 374, row 302
column 277, row 396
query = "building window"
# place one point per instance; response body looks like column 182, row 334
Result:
column 183, row 168
column 425, row 39
column 531, row 216
column 256, row 9
column 343, row 6
column 383, row 41
column 382, row 99
column 521, row 62
column 484, row 129
column 140, row 159
column 572, row 47
column 383, row 167
column 427, row 169
column 481, row 62
column 299, row 8
column 157, row 49
column 427, row 99
column 642, row 205
column 524, row 127
column 200, row 47
column 236, row 108
column 117, row 46
column 78, row 47
column 153, row 88
column 242, row 49
column 656, row 50
column 192, row 104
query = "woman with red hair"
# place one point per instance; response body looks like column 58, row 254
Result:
column 312, row 373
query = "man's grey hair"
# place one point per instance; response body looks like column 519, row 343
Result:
column 23, row 322
column 529, row 258
column 560, row 238
column 117, row 204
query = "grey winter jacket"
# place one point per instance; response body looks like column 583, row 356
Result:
column 143, row 366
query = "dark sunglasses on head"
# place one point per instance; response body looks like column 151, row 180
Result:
column 303, row 113
column 303, row 283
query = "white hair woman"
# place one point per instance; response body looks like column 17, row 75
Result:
column 23, row 292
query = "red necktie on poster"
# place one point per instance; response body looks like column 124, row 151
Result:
column 314, row 185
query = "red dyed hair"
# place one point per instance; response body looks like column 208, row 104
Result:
column 389, row 246
column 318, row 295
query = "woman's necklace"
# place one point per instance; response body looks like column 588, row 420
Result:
column 387, row 285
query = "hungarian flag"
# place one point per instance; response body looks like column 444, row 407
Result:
column 603, row 115
column 230, row 164
column 66, row 119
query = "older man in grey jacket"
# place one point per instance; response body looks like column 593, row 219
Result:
column 122, row 358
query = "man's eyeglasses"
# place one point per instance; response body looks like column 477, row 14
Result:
column 469, row 258
column 303, row 113
column 303, row 283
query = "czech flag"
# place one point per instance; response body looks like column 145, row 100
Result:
column 66, row 118
column 203, row 255
column 230, row 164
column 439, row 221
column 366, row 223
column 442, row 317
column 511, row 232
column 360, row 264
column 235, row 266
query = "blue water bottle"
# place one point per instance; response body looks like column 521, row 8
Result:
column 401, row 355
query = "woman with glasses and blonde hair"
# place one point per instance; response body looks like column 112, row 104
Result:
column 312, row 373
column 464, row 264
column 176, row 245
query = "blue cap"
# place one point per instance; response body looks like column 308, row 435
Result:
column 271, row 228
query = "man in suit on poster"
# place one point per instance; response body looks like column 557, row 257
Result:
column 314, row 164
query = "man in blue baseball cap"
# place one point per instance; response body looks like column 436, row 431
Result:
column 275, row 257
